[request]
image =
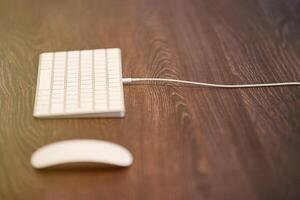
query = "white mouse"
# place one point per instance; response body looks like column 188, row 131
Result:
column 81, row 153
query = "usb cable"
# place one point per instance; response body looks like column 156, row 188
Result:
column 201, row 84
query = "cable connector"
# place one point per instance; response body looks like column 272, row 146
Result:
column 126, row 80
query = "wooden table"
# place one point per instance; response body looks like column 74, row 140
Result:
column 188, row 143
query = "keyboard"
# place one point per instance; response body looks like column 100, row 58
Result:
column 86, row 83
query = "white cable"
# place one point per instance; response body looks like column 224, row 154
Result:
column 130, row 80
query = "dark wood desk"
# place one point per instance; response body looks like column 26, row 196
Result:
column 188, row 143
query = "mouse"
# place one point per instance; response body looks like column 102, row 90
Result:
column 81, row 153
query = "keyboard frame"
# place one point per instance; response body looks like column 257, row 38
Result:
column 111, row 113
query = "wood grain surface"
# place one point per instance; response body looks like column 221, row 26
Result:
column 188, row 143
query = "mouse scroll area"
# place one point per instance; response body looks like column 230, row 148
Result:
column 82, row 153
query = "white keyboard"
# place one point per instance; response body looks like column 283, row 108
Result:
column 84, row 83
